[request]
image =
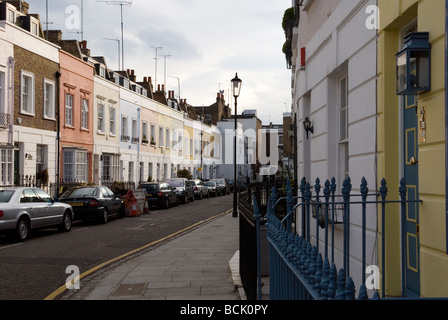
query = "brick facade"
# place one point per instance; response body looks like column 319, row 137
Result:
column 42, row 68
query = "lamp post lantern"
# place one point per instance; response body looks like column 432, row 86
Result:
column 236, row 88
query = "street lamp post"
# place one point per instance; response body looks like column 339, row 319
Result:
column 236, row 88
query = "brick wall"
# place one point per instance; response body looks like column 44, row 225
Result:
column 42, row 68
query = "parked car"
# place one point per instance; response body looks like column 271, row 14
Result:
column 222, row 185
column 23, row 209
column 183, row 187
column 160, row 194
column 212, row 187
column 200, row 191
column 97, row 202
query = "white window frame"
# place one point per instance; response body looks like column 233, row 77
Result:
column 112, row 121
column 6, row 162
column 124, row 127
column 343, row 106
column 101, row 117
column 41, row 157
column 27, row 97
column 161, row 136
column 75, row 170
column 49, row 99
column 112, row 163
column 175, row 139
column 2, row 92
column 11, row 16
column 145, row 130
column 84, row 114
column 153, row 133
column 34, row 28
column 134, row 130
column 167, row 138
column 180, row 140
column 68, row 109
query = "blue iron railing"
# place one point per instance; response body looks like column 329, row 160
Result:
column 297, row 269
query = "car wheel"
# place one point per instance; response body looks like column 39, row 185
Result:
column 192, row 197
column 66, row 224
column 22, row 229
column 208, row 194
column 122, row 213
column 104, row 216
column 167, row 203
column 185, row 198
column 177, row 201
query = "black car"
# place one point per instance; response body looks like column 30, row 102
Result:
column 241, row 186
column 183, row 187
column 160, row 194
column 98, row 202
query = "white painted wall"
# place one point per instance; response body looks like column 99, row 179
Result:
column 342, row 46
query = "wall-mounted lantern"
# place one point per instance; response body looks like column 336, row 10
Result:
column 414, row 64
column 308, row 126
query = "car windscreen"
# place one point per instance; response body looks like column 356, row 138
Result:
column 149, row 187
column 209, row 184
column 5, row 195
column 176, row 183
column 79, row 193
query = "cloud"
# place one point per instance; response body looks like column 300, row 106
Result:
column 207, row 40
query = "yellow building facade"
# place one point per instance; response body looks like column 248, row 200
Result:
column 425, row 266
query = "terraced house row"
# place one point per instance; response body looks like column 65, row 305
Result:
column 369, row 77
column 65, row 116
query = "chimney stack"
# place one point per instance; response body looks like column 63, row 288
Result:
column 83, row 46
column 132, row 76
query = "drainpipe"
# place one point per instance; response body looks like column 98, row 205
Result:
column 446, row 121
column 11, row 65
column 58, row 132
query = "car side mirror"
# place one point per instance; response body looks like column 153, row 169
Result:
column 54, row 200
column 173, row 188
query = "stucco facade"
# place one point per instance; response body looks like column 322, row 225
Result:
column 335, row 87
column 428, row 257
column 76, row 98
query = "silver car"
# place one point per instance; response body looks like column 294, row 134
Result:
column 26, row 208
column 200, row 190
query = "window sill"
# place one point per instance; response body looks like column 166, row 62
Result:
column 26, row 113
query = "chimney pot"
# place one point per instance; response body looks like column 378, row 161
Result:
column 145, row 79
column 158, row 87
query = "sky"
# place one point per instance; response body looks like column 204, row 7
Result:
column 202, row 45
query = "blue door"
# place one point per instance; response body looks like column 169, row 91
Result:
column 411, row 238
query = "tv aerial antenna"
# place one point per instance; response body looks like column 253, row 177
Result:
column 120, row 3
